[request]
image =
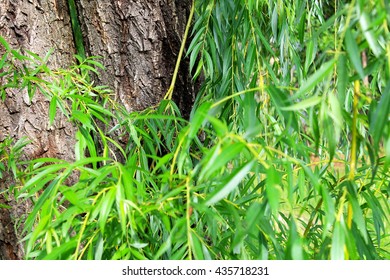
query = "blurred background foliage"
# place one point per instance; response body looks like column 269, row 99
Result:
column 285, row 156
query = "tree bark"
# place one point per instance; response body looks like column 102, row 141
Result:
column 138, row 40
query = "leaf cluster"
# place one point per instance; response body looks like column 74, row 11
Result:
column 285, row 156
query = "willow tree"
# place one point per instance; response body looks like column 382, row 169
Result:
column 285, row 155
column 138, row 42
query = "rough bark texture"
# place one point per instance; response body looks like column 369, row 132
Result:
column 139, row 41
column 36, row 26
column 9, row 250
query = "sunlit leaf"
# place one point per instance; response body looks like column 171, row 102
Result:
column 366, row 26
column 229, row 184
column 309, row 102
column 338, row 241
column 314, row 79
column 105, row 208
column 353, row 52
column 381, row 115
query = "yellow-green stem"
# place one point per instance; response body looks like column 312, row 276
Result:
column 351, row 174
column 188, row 217
column 183, row 44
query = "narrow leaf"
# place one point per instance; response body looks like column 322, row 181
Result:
column 342, row 78
column 315, row 79
column 353, row 52
column 309, row 102
column 338, row 241
column 365, row 24
column 230, row 185
column 381, row 116
column 52, row 110
column 5, row 44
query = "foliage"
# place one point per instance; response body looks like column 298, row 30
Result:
column 285, row 156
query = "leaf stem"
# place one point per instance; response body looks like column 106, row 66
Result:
column 169, row 93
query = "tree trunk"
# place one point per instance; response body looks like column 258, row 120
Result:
column 138, row 41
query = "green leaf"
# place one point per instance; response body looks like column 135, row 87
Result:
column 306, row 103
column 198, row 69
column 294, row 243
column 167, row 245
column 220, row 128
column 91, row 60
column 356, row 210
column 367, row 26
column 338, row 241
column 105, row 208
column 342, row 78
column 314, row 79
column 209, row 64
column 381, row 116
column 46, row 170
column 90, row 143
column 229, row 185
column 19, row 56
column 353, row 52
column 39, row 230
column 82, row 118
column 60, row 253
column 172, row 194
column 197, row 246
column 219, row 158
column 198, row 119
column 73, row 197
column 194, row 55
column 329, row 208
column 52, row 110
column 101, row 109
column 311, row 51
column 5, row 206
column 377, row 213
column 274, row 22
column 99, row 249
column 335, row 112
column 5, row 44
column 134, row 135
column 122, row 215
column 3, row 60
column 272, row 188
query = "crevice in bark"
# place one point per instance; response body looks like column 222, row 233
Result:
column 8, row 240
column 10, row 246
